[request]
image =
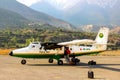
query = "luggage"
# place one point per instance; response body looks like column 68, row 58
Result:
column 75, row 60
column 90, row 74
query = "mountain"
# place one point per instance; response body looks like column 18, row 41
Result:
column 32, row 15
column 47, row 8
column 11, row 19
column 82, row 12
column 95, row 28
column 115, row 30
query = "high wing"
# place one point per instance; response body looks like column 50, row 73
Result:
column 83, row 41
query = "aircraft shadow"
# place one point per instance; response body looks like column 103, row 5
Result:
column 83, row 65
column 106, row 66
column 65, row 64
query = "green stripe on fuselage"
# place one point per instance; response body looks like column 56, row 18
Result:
column 36, row 55
column 50, row 55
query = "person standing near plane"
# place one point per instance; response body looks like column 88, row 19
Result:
column 66, row 54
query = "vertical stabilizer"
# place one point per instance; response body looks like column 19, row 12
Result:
column 102, row 38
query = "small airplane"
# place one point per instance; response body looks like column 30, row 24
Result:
column 55, row 50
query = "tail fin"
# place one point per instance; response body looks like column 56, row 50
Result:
column 102, row 38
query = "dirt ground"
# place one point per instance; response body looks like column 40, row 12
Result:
column 107, row 68
column 111, row 53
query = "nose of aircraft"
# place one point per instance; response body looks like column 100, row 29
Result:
column 11, row 53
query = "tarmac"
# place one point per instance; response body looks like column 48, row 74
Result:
column 107, row 68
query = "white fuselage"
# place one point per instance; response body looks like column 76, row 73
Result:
column 35, row 48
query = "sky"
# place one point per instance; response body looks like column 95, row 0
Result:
column 28, row 2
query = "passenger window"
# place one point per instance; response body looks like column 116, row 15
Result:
column 70, row 48
column 33, row 46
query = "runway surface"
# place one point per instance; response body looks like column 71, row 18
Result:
column 107, row 68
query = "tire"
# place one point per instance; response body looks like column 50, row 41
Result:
column 75, row 61
column 23, row 61
column 50, row 60
column 92, row 63
column 89, row 63
column 60, row 62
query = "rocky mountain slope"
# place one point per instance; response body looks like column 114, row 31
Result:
column 30, row 14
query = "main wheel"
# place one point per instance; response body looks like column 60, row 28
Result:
column 92, row 63
column 23, row 61
column 75, row 61
column 50, row 60
column 60, row 62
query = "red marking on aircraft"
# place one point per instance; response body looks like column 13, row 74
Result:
column 80, row 48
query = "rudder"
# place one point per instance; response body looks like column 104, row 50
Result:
column 102, row 38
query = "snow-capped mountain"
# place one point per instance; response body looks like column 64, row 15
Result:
column 63, row 4
column 82, row 12
column 103, row 3
column 67, row 4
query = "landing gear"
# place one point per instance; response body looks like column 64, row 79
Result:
column 50, row 60
column 23, row 61
column 60, row 62
column 92, row 62
column 75, row 61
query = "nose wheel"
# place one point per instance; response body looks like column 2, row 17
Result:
column 23, row 61
column 50, row 60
